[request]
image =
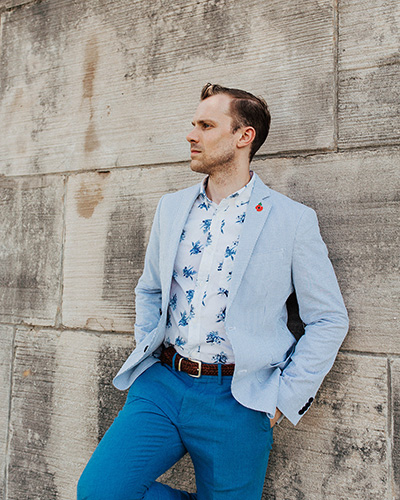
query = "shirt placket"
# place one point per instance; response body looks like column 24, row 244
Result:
column 207, row 266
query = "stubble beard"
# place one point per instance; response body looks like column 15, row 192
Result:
column 223, row 163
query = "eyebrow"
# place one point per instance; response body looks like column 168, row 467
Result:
column 202, row 122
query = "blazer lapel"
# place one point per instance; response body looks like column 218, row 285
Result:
column 252, row 227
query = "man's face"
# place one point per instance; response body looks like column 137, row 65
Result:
column 212, row 144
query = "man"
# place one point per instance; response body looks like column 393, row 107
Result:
column 215, row 366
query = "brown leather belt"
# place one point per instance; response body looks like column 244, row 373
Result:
column 193, row 367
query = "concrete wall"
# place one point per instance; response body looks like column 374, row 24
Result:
column 96, row 98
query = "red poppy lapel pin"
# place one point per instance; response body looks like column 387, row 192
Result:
column 259, row 207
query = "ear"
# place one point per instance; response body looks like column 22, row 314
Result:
column 246, row 137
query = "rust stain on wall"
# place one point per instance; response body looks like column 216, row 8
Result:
column 90, row 194
column 91, row 62
column 91, row 141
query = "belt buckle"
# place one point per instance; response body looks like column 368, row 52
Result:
column 199, row 364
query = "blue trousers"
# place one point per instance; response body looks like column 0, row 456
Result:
column 167, row 414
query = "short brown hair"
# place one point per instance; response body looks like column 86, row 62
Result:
column 246, row 109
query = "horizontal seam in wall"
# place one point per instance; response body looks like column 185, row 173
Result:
column 280, row 156
column 62, row 328
column 371, row 67
column 384, row 355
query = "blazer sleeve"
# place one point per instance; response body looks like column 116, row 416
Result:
column 322, row 310
column 148, row 289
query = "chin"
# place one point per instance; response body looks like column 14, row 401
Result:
column 196, row 166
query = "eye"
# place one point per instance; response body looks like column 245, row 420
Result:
column 206, row 125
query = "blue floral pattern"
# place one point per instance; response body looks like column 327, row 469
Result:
column 188, row 272
column 197, row 247
column 220, row 358
column 205, row 225
column 199, row 294
column 189, row 295
column 173, row 302
column 214, row 338
column 240, row 218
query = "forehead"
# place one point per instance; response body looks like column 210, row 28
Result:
column 215, row 108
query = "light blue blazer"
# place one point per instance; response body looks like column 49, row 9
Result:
column 280, row 251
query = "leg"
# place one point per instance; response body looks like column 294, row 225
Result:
column 140, row 445
column 229, row 444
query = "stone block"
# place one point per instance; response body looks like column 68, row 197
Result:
column 6, row 353
column 395, row 381
column 108, row 222
column 338, row 451
column 31, row 225
column 369, row 73
column 62, row 402
column 98, row 84
column 356, row 198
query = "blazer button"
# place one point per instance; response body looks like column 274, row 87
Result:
column 145, row 349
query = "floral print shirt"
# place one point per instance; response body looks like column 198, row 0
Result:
column 202, row 273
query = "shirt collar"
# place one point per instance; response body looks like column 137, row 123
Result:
column 244, row 192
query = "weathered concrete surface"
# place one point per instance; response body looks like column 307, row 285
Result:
column 108, row 222
column 9, row 4
column 369, row 72
column 108, row 83
column 6, row 353
column 181, row 475
column 109, row 217
column 395, row 380
column 356, row 196
column 102, row 84
column 61, row 405
column 338, row 451
column 31, row 225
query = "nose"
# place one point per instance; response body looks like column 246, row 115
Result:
column 192, row 136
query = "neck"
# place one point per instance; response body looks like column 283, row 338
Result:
column 219, row 186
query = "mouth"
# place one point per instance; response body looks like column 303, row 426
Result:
column 194, row 152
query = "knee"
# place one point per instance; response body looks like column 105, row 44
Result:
column 92, row 486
